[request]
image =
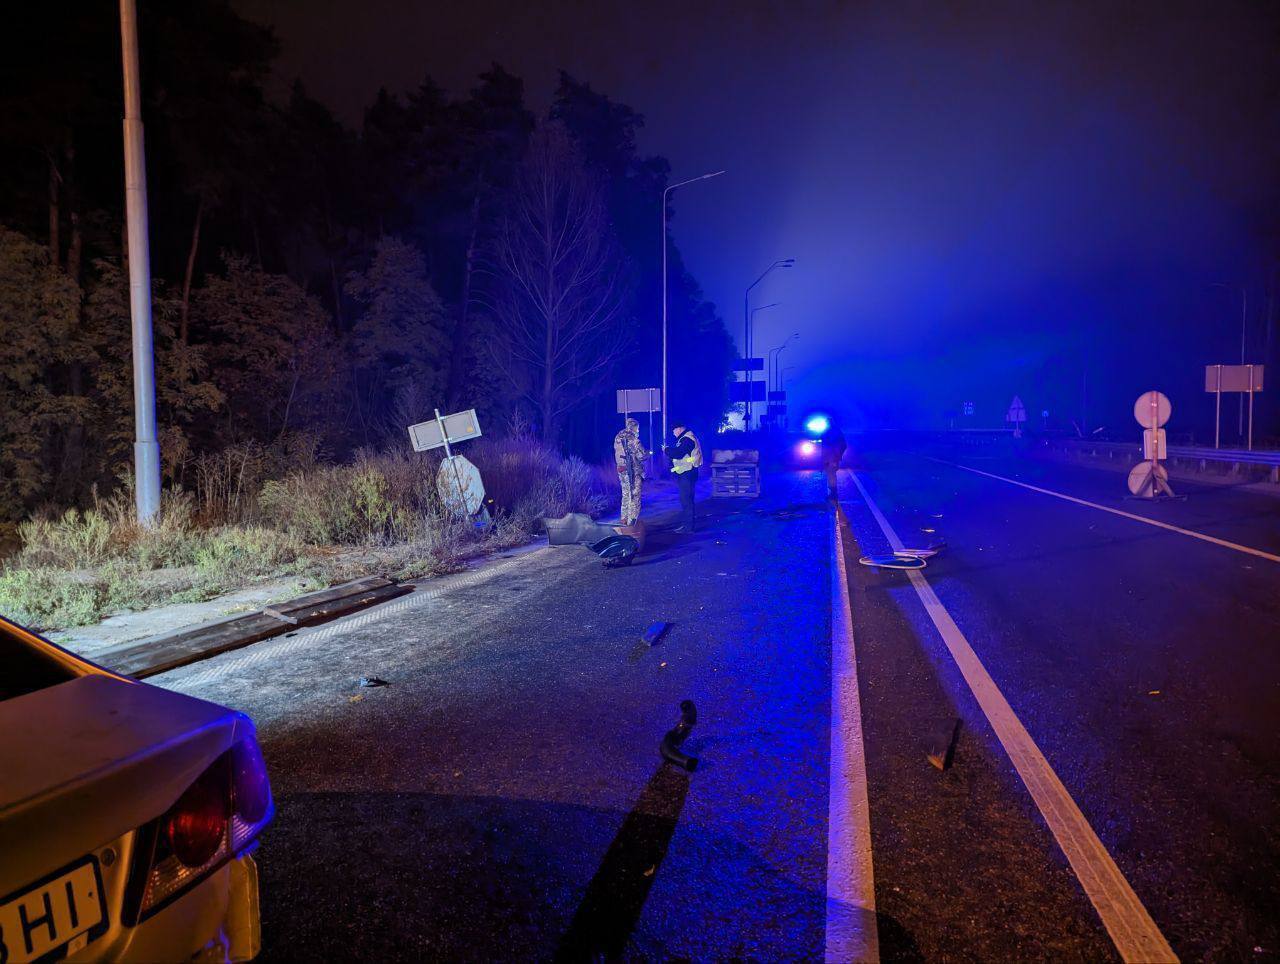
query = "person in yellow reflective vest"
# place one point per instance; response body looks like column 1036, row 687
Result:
column 685, row 454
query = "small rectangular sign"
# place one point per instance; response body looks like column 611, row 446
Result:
column 777, row 396
column 749, row 365
column 1234, row 378
column 738, row 391
column 639, row 400
column 1153, row 444
column 460, row 426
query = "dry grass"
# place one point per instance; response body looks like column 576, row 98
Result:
column 257, row 515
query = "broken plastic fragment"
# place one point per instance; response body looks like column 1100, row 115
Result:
column 669, row 748
column 371, row 681
column 895, row 561
column 654, row 633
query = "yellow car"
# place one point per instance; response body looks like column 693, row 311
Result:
column 128, row 814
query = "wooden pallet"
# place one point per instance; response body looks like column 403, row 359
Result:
column 740, row 480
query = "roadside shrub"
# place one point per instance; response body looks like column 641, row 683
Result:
column 234, row 555
column 75, row 540
column 46, row 597
column 513, row 469
column 376, row 501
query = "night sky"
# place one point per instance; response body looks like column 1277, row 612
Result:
column 981, row 200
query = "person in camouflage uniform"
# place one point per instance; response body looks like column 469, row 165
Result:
column 629, row 456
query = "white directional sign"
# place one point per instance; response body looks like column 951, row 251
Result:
column 1017, row 411
column 458, row 427
column 639, row 400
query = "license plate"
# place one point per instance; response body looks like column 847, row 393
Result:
column 44, row 919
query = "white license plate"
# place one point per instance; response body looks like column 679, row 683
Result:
column 47, row 917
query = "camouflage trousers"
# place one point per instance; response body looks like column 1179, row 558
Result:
column 630, row 499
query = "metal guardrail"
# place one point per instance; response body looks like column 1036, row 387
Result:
column 1185, row 453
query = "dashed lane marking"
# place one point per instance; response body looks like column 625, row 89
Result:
column 1132, row 930
column 1261, row 554
column 851, row 933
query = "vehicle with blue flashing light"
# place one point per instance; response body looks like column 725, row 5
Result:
column 128, row 815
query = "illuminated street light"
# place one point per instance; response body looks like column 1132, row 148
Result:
column 746, row 324
column 665, row 192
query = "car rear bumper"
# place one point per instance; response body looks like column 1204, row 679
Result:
column 217, row 920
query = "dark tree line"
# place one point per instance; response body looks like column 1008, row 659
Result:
column 314, row 281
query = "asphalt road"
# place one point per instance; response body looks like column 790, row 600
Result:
column 503, row 798
column 1142, row 661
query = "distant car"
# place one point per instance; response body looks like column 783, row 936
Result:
column 128, row 814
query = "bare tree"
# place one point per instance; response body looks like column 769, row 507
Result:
column 560, row 284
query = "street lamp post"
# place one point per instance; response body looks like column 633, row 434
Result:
column 146, row 450
column 746, row 325
column 782, row 384
column 667, row 190
column 776, row 360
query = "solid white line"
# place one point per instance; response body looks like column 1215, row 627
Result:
column 1127, row 515
column 851, row 933
column 1132, row 930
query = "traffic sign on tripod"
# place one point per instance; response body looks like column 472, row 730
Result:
column 1149, row 479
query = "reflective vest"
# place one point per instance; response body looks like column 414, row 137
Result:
column 690, row 461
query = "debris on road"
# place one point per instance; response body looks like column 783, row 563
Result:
column 942, row 745
column 372, row 681
column 669, row 748
column 926, row 553
column 654, row 633
column 895, row 561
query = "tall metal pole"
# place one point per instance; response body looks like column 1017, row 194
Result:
column 146, row 450
column 1244, row 314
column 746, row 330
column 665, row 192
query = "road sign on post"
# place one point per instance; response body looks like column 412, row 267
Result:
column 647, row 400
column 738, row 391
column 458, row 480
column 749, row 365
column 639, row 400
column 1232, row 378
column 1148, row 479
column 1016, row 415
column 443, row 431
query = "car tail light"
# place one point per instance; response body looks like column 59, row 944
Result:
column 196, row 824
column 215, row 819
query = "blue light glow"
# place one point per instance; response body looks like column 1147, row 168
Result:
column 817, row 424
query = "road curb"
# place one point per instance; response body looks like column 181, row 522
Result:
column 159, row 654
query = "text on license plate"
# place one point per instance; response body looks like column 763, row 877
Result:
column 51, row 914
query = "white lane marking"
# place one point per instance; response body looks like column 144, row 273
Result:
column 851, row 933
column 1132, row 930
column 1261, row 554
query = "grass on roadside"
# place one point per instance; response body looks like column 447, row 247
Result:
column 380, row 513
